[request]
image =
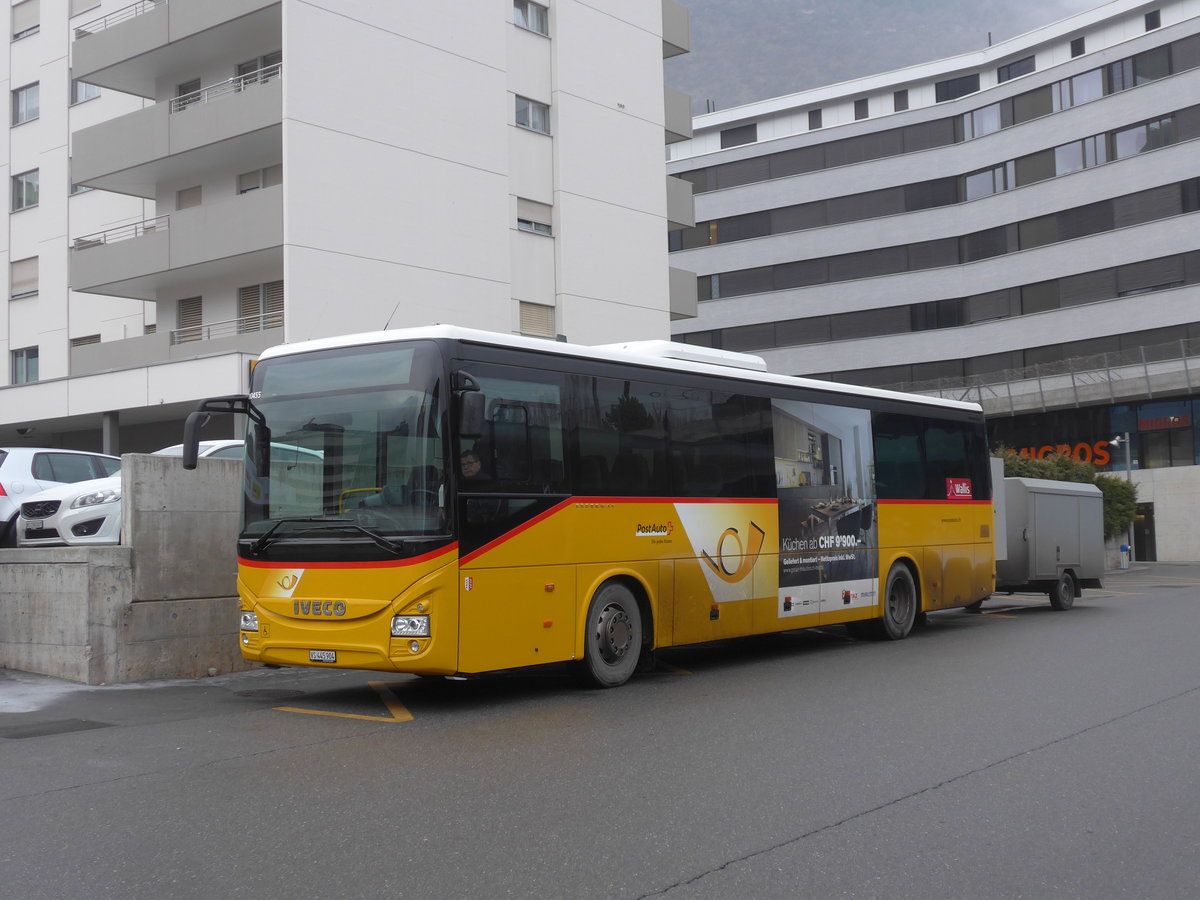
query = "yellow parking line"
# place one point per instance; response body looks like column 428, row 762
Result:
column 399, row 713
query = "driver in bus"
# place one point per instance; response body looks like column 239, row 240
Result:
column 471, row 467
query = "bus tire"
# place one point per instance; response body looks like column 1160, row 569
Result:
column 612, row 641
column 900, row 604
column 1062, row 595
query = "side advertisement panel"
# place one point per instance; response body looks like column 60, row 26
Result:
column 824, row 471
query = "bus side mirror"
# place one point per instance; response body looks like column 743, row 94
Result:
column 470, row 414
column 191, row 437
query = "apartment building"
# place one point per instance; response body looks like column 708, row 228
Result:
column 195, row 180
column 1015, row 226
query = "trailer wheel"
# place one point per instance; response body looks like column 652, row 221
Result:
column 1062, row 595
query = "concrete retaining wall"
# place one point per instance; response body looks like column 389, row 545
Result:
column 162, row 605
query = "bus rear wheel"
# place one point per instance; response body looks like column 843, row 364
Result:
column 899, row 604
column 612, row 642
column 900, row 609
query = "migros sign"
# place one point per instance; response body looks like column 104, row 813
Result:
column 1096, row 453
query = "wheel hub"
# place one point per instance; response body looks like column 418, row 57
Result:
column 615, row 631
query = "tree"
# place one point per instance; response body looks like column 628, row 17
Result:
column 1120, row 496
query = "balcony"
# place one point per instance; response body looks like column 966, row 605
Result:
column 683, row 294
column 677, row 108
column 236, row 241
column 681, row 206
column 216, row 127
column 677, row 29
column 252, row 335
column 156, row 41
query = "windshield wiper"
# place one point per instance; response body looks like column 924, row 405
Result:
column 264, row 541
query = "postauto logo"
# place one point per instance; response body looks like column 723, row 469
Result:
column 730, row 546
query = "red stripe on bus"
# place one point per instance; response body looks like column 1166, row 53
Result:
column 372, row 564
column 939, row 502
column 496, row 542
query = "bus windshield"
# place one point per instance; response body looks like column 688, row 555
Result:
column 347, row 444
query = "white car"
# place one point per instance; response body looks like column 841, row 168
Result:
column 89, row 512
column 27, row 471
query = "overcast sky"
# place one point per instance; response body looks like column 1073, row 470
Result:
column 745, row 50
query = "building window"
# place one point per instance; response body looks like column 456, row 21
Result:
column 189, row 197
column 25, row 107
column 253, row 181
column 25, row 365
column 1015, row 69
column 25, row 190
column 85, row 341
column 1153, row 20
column 531, row 16
column 26, row 19
column 79, row 189
column 1077, row 47
column 260, row 306
column 534, row 227
column 536, row 320
column 1140, row 138
column 743, row 134
column 186, row 93
column 23, row 278
column 814, row 119
column 953, row 88
column 81, row 91
column 860, row 108
column 533, row 115
column 900, row 100
column 189, row 319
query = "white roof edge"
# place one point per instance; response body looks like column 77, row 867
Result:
column 609, row 353
column 946, row 65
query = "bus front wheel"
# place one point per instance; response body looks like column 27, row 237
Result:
column 613, row 640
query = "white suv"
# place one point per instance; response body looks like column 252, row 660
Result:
column 25, row 471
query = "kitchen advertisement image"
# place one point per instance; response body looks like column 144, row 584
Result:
column 827, row 530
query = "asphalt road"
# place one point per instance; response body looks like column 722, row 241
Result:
column 1020, row 752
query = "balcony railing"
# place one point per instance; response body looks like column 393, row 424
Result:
column 224, row 88
column 228, row 328
column 114, row 18
column 121, row 233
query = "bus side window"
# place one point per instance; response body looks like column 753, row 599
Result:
column 899, row 467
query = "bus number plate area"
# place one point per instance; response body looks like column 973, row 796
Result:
column 325, row 656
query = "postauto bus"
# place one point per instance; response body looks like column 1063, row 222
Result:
column 472, row 502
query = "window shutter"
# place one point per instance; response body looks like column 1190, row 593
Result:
column 537, row 320
column 273, row 304
column 23, row 276
column 25, row 17
column 273, row 175
column 249, row 308
column 191, row 317
column 189, row 197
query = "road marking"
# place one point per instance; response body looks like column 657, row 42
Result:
column 399, row 713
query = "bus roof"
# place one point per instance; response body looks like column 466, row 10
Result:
column 665, row 355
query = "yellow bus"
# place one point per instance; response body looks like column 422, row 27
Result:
column 463, row 502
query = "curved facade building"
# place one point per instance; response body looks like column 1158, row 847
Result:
column 1014, row 226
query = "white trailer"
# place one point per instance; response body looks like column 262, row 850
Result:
column 1049, row 537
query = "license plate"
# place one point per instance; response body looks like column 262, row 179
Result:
column 34, row 524
column 326, row 656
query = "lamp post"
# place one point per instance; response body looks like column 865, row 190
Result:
column 1123, row 439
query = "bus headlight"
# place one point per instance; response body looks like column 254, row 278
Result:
column 249, row 621
column 410, row 626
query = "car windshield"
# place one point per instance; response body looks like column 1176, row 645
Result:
column 355, row 444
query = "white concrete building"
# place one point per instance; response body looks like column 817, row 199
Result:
column 1016, row 225
column 275, row 170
